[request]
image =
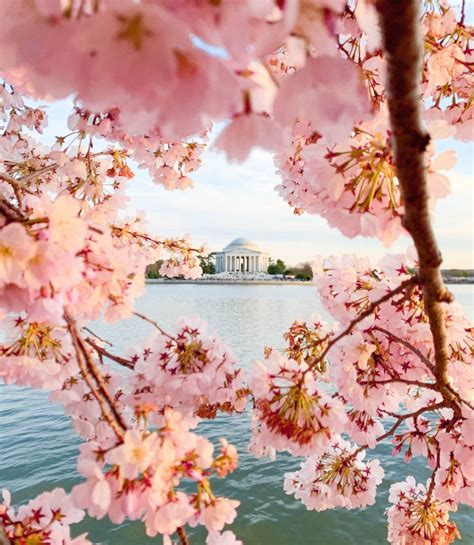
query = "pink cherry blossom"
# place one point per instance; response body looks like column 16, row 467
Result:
column 310, row 82
column 415, row 519
column 246, row 131
column 337, row 478
column 45, row 519
column 226, row 538
column 328, row 107
column 16, row 248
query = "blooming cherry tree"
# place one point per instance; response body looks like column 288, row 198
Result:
column 350, row 97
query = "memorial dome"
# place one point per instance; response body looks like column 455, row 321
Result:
column 242, row 256
column 242, row 243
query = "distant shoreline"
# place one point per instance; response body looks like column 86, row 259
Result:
column 449, row 281
column 232, row 282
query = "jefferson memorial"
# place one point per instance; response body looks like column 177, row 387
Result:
column 242, row 256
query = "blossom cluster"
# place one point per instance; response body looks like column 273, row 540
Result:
column 338, row 477
column 189, row 370
column 373, row 368
column 350, row 178
column 293, row 411
column 417, row 518
column 138, row 478
column 168, row 163
column 353, row 183
column 63, row 240
column 45, row 520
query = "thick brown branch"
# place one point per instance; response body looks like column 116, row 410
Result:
column 183, row 537
column 10, row 212
column 403, row 47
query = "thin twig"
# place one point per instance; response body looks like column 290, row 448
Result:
column 365, row 314
column 435, row 471
column 96, row 336
column 401, row 418
column 99, row 379
column 154, row 324
column 105, row 409
column 428, row 385
column 37, row 173
column 407, row 344
column 103, row 352
column 183, row 537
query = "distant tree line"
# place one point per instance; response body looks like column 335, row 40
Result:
column 206, row 262
column 303, row 271
column 458, row 273
column 152, row 270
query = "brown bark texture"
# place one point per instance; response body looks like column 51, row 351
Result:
column 402, row 41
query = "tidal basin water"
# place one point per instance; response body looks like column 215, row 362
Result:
column 38, row 448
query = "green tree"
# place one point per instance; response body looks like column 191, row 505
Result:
column 302, row 271
column 152, row 270
column 208, row 263
column 277, row 268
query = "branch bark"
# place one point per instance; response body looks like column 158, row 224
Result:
column 183, row 537
column 403, row 47
column 94, row 382
column 103, row 352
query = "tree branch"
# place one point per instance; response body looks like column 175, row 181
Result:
column 98, row 390
column 435, row 471
column 428, row 385
column 103, row 352
column 403, row 47
column 365, row 314
column 9, row 211
column 183, row 537
column 153, row 323
column 101, row 339
column 463, row 12
column 408, row 345
column 401, row 418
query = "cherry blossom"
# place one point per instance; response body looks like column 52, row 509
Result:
column 311, row 82
column 295, row 413
column 337, row 478
column 226, row 538
column 416, row 518
column 43, row 520
column 190, row 371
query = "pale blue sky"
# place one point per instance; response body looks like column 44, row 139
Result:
column 233, row 200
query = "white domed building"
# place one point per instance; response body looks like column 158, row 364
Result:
column 242, row 256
